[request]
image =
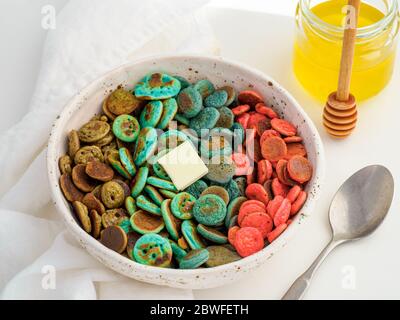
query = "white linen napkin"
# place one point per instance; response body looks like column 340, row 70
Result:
column 38, row 258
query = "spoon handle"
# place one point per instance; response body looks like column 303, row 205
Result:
column 298, row 288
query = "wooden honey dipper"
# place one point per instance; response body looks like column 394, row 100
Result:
column 340, row 112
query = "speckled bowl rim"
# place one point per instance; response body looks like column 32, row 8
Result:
column 263, row 255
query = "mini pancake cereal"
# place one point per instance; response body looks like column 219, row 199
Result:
column 256, row 183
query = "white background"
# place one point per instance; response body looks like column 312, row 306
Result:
column 375, row 260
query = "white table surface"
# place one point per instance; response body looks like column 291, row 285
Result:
column 362, row 270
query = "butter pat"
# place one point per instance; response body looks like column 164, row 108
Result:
column 183, row 165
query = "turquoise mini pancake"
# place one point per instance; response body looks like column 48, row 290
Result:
column 177, row 251
column 161, row 183
column 144, row 222
column 196, row 188
column 221, row 169
column 157, row 168
column 218, row 191
column 126, row 225
column 145, row 204
column 169, row 111
column 114, row 160
column 151, row 114
column 182, row 205
column 126, row 128
column 194, row 259
column 242, row 184
column 209, row 210
column 172, row 224
column 214, row 146
column 182, row 119
column 127, row 161
column 206, row 119
column 190, row 102
column 217, row 99
column 191, row 236
column 130, row 205
column 211, row 234
column 192, row 135
column 153, row 250
column 183, row 81
column 222, row 132
column 204, row 87
column 139, row 181
column 233, row 209
column 167, row 194
column 157, row 86
column 233, row 222
column 231, row 95
column 146, row 145
column 219, row 255
column 226, row 118
column 238, row 134
column 171, row 139
column 154, row 195
column 233, row 189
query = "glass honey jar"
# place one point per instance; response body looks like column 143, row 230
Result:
column 318, row 46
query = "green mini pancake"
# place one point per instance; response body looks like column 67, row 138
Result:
column 171, row 139
column 194, row 259
column 157, row 168
column 184, row 82
column 209, row 210
column 233, row 209
column 157, row 86
column 191, row 236
column 221, row 169
column 196, row 188
column 190, row 102
column 182, row 119
column 161, row 183
column 231, row 95
column 226, row 118
column 172, row 224
column 151, row 114
column 126, row 128
column 126, row 225
column 204, row 87
column 219, row 255
column 145, row 204
column 146, row 145
column 211, row 234
column 153, row 250
column 177, row 251
column 206, row 119
column 130, row 205
column 139, row 181
column 242, row 184
column 233, row 189
column 114, row 160
column 238, row 134
column 127, row 161
column 217, row 99
column 167, row 194
column 170, row 108
column 154, row 195
column 182, row 205
column 218, row 191
column 144, row 222
column 215, row 146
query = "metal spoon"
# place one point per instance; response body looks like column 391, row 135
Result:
column 357, row 209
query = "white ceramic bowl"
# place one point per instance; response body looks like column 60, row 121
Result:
column 220, row 72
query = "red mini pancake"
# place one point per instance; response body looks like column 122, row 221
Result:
column 293, row 139
column 273, row 148
column 232, row 234
column 237, row 111
column 250, row 97
column 283, row 213
column 276, row 232
column 252, row 177
column 260, row 204
column 268, row 133
column 295, row 149
column 256, row 191
column 253, row 149
column 299, row 169
column 248, row 241
column 298, row 204
column 243, row 119
column 283, row 127
column 243, row 212
column 293, row 193
column 242, row 164
column 263, row 109
column 260, row 221
column 263, row 126
column 278, row 188
column 255, row 117
column 264, row 168
column 274, row 205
